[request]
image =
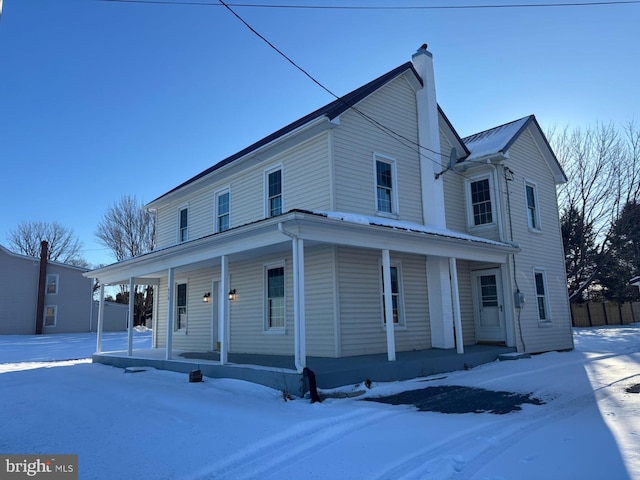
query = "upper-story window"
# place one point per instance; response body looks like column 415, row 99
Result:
column 183, row 224
column 52, row 284
column 541, row 296
column 223, row 208
column 274, row 192
column 481, row 204
column 533, row 214
column 386, row 199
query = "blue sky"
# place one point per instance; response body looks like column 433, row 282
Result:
column 99, row 99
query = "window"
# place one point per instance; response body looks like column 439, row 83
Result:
column 532, row 206
column 52, row 284
column 222, row 211
column 395, row 296
column 274, row 193
column 386, row 200
column 181, row 307
column 541, row 296
column 480, row 193
column 50, row 315
column 275, row 298
column 183, row 233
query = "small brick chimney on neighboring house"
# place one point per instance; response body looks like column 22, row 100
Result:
column 42, row 286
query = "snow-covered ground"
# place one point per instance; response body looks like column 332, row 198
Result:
column 157, row 425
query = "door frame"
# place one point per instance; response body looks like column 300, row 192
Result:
column 502, row 307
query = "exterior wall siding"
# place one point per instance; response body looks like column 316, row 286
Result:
column 356, row 140
column 305, row 176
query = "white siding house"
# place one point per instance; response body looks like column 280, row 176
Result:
column 367, row 212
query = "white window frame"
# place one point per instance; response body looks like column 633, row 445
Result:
column 493, row 198
column 536, row 212
column 176, row 307
column 55, row 315
column 545, row 296
column 186, row 229
column 378, row 157
column 267, row 328
column 216, row 206
column 402, row 324
column 269, row 171
column 56, row 283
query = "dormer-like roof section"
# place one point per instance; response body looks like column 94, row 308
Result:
column 329, row 111
column 498, row 141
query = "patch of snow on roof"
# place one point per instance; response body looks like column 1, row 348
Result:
column 493, row 140
column 402, row 225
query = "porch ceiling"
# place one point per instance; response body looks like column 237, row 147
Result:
column 273, row 235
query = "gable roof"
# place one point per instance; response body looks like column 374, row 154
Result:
column 330, row 111
column 498, row 140
column 20, row 256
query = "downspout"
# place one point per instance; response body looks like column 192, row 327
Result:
column 42, row 285
column 298, row 302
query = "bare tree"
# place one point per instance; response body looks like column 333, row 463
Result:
column 602, row 164
column 64, row 246
column 127, row 229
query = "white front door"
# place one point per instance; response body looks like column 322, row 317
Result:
column 488, row 306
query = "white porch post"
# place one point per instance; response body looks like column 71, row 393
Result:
column 224, row 307
column 388, row 305
column 132, row 299
column 169, row 341
column 300, row 347
column 440, row 311
column 100, row 319
column 455, row 298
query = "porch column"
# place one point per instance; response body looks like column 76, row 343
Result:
column 100, row 319
column 440, row 311
column 132, row 300
column 169, row 340
column 224, row 308
column 455, row 294
column 388, row 305
column 299, row 322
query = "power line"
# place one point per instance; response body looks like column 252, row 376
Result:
column 383, row 7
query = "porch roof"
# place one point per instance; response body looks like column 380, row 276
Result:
column 274, row 234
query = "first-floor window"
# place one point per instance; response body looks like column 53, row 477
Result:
column 52, row 284
column 181, row 307
column 395, row 296
column 50, row 315
column 275, row 297
column 541, row 296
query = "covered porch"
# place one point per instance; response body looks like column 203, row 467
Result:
column 279, row 372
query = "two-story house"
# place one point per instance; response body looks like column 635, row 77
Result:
column 366, row 213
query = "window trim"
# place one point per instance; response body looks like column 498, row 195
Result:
column 176, row 329
column 534, row 187
column 55, row 316
column 266, row 315
column 547, row 309
column 402, row 320
column 57, row 283
column 216, row 206
column 470, row 214
column 267, row 172
column 379, row 157
column 186, row 228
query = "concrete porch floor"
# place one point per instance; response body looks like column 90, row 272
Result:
column 279, row 372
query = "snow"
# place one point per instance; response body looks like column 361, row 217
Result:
column 156, row 425
column 494, row 140
column 402, row 225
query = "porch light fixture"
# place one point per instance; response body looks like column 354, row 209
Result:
column 206, row 298
column 232, row 294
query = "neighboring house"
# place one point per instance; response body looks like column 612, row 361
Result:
column 367, row 212
column 635, row 281
column 67, row 297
